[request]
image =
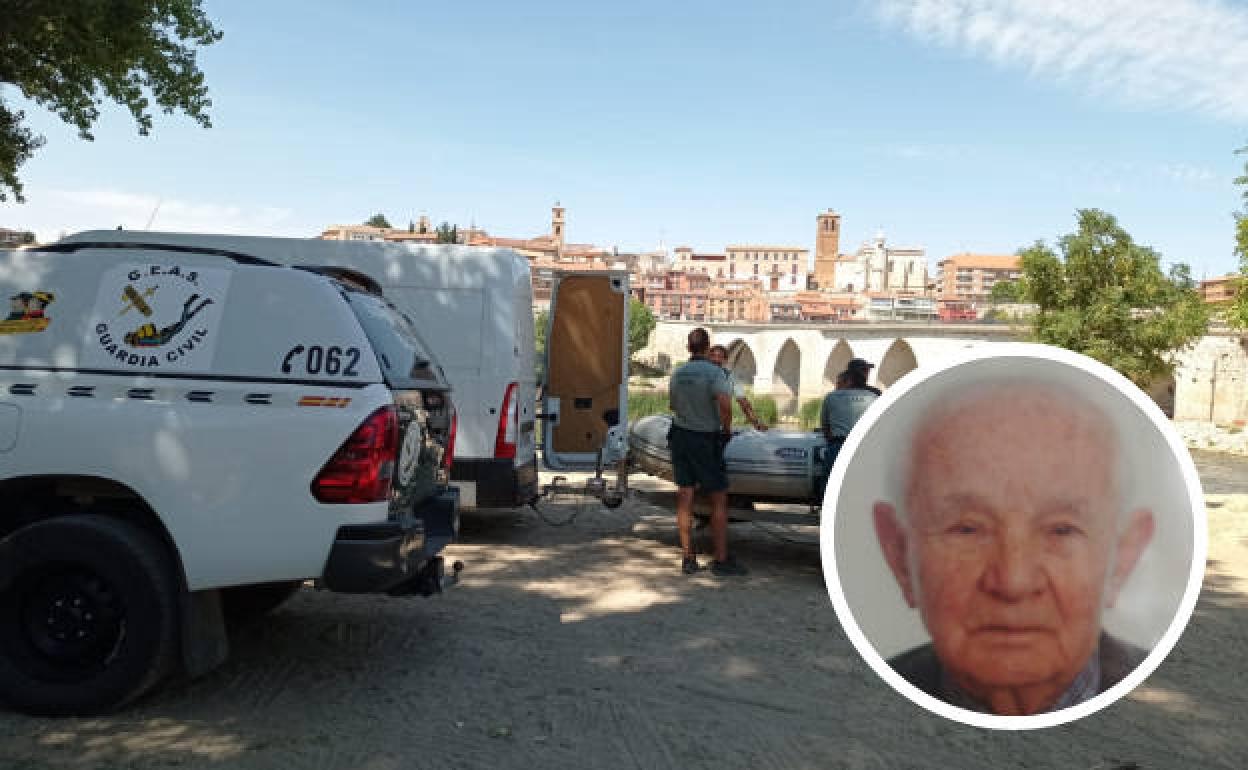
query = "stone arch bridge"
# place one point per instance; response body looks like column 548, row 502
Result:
column 795, row 362
column 798, row 362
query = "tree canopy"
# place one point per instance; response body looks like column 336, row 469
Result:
column 71, row 57
column 1106, row 296
column 1008, row 291
column 447, row 233
column 641, row 323
column 541, row 320
column 378, row 220
column 1237, row 314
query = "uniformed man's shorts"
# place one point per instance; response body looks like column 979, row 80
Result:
column 697, row 460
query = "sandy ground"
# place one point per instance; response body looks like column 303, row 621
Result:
column 580, row 646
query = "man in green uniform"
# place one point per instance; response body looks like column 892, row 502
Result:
column 840, row 411
column 701, row 401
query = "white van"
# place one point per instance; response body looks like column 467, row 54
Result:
column 187, row 434
column 474, row 306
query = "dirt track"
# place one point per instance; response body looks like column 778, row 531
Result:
column 582, row 647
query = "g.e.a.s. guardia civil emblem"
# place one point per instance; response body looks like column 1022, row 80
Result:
column 162, row 317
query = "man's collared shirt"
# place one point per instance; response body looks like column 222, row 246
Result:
column 842, row 408
column 1087, row 685
column 693, row 392
column 1109, row 664
column 733, row 385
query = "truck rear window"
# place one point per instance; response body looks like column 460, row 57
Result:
column 406, row 361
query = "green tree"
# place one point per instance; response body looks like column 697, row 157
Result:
column 1106, row 296
column 1237, row 314
column 447, row 233
column 378, row 220
column 1008, row 291
column 71, row 57
column 641, row 323
column 541, row 319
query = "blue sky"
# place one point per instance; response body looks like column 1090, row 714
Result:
column 954, row 125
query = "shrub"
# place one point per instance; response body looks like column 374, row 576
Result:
column 765, row 407
column 643, row 403
column 808, row 415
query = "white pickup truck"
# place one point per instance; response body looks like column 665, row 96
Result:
column 187, row 434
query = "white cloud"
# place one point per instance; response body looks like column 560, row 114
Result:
column 1169, row 53
column 1187, row 173
column 51, row 213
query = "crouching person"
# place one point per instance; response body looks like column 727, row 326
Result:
column 842, row 408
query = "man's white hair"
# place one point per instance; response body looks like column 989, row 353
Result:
column 1064, row 400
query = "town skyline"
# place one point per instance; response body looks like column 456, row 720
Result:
column 670, row 125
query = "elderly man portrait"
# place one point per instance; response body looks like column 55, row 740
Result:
column 1009, row 537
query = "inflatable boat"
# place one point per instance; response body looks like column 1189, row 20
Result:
column 763, row 466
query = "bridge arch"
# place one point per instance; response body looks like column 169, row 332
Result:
column 838, row 359
column 741, row 362
column 897, row 361
column 786, row 378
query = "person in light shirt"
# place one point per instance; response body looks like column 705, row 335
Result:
column 718, row 355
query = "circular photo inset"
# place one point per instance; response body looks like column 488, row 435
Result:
column 1017, row 539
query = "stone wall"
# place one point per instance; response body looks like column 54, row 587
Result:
column 1209, row 380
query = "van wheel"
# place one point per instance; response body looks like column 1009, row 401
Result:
column 244, row 605
column 88, row 615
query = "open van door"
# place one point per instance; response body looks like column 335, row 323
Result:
column 585, row 398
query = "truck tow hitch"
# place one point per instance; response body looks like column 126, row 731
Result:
column 431, row 580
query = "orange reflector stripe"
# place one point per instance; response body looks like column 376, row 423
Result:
column 324, row 401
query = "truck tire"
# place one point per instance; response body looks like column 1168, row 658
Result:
column 243, row 605
column 88, row 615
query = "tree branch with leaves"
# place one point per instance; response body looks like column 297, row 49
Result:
column 1103, row 295
column 73, row 56
column 1236, row 314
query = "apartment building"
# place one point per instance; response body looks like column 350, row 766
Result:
column 1220, row 289
column 901, row 307
column 779, row 268
column 737, row 300
column 970, row 277
column 674, row 294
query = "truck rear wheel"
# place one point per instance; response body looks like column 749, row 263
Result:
column 244, row 605
column 88, row 615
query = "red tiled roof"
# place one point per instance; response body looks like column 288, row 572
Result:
column 983, row 261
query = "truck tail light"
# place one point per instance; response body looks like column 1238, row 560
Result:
column 362, row 469
column 508, row 420
column 448, row 456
